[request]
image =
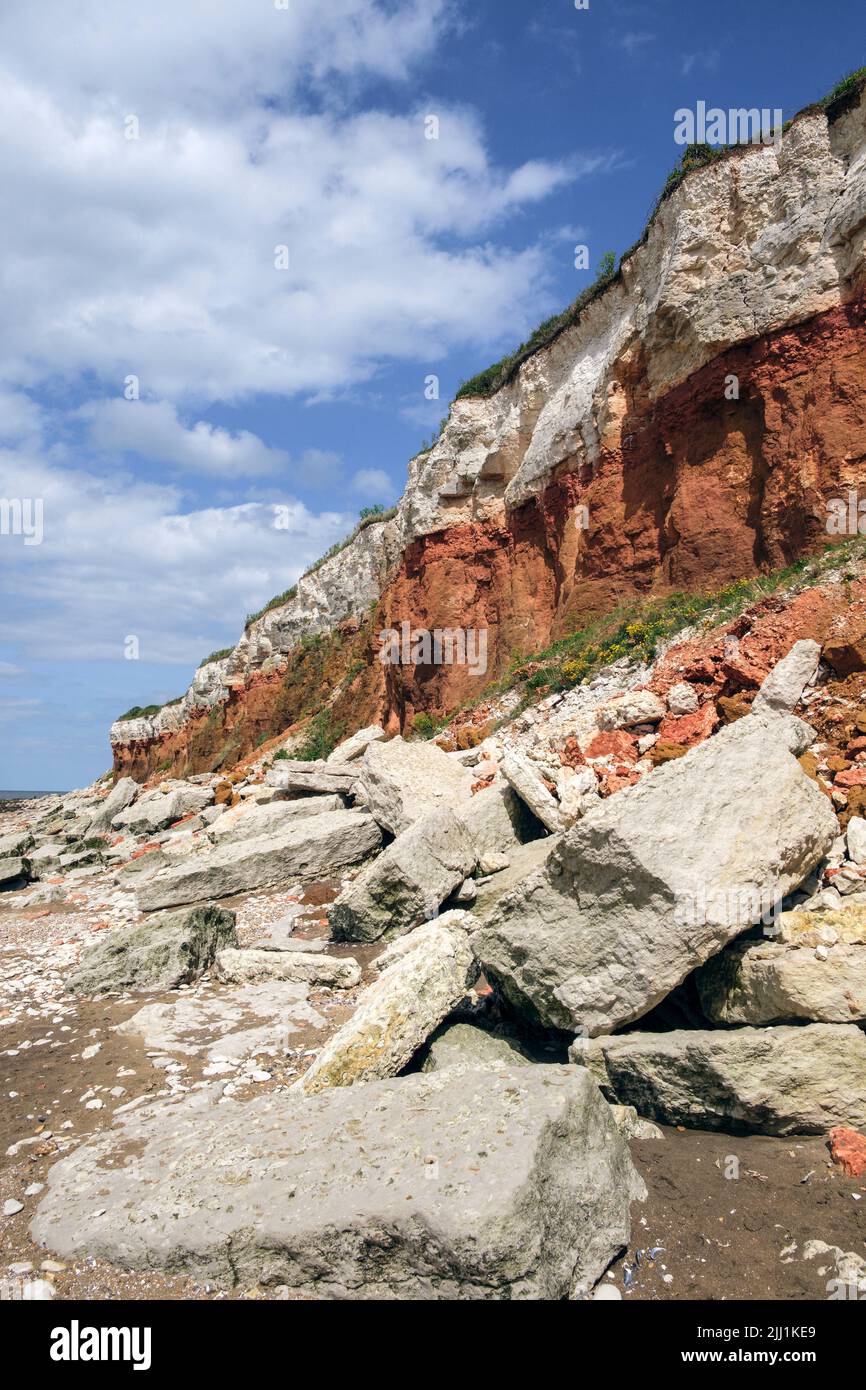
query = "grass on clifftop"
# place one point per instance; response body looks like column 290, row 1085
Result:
column 145, row 711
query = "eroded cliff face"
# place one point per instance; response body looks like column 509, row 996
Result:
column 687, row 431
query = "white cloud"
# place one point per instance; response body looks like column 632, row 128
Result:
column 20, row 417
column 205, row 54
column 156, row 256
column 152, row 430
column 119, row 558
column 373, row 483
column 8, row 671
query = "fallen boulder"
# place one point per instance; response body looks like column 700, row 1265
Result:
column 769, row 982
column 14, row 870
column 155, row 810
column 506, row 1184
column 408, row 882
column 781, row 691
column 634, row 707
column 164, row 952
column 405, row 781
column 495, row 820
column 246, row 822
column 469, row 1045
column 312, row 847
column 658, row 878
column 244, row 967
column 766, row 1080
column 527, row 783
column 289, row 775
column 122, row 795
column 356, row 744
column 14, row 845
column 425, row 976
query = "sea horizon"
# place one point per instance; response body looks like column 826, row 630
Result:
column 26, row 795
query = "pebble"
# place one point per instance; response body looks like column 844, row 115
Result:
column 38, row 1291
column 10, row 1207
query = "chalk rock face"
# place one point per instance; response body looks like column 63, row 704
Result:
column 783, row 687
column 778, row 236
column 249, row 965
column 171, row 949
column 659, row 878
column 768, row 1080
column 769, row 982
column 312, row 847
column 408, row 882
column 425, row 976
column 511, row 1183
column 404, row 781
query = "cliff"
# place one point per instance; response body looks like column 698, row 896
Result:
column 688, row 429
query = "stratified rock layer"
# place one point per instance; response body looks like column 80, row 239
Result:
column 690, row 429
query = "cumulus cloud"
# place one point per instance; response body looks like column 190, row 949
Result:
column 120, row 558
column 209, row 54
column 159, row 254
column 152, row 430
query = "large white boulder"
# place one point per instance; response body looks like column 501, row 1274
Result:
column 312, row 847
column 155, row 810
column 408, row 882
column 404, row 781
column 659, row 878
column 247, row 820
column 511, row 1183
column 770, row 982
column 527, row 783
column 781, row 691
column 800, row 1080
column 426, row 975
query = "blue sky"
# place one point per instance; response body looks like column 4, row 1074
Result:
column 154, row 257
